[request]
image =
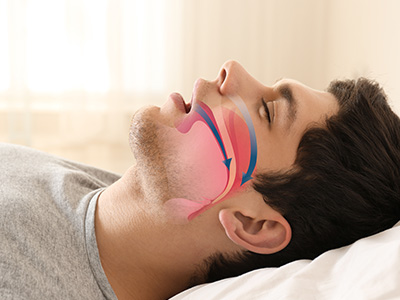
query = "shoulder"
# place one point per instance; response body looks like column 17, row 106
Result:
column 27, row 163
column 43, row 206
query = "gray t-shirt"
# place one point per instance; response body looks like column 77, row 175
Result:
column 48, row 245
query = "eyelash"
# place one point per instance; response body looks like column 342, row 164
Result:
column 266, row 109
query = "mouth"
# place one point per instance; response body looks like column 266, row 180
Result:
column 180, row 102
column 188, row 106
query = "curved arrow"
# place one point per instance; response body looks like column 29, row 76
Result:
column 206, row 117
column 253, row 141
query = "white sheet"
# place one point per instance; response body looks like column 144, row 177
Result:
column 367, row 269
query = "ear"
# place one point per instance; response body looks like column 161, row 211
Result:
column 263, row 232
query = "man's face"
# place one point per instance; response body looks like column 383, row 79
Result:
column 194, row 155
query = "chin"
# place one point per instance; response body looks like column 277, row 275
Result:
column 144, row 140
column 143, row 131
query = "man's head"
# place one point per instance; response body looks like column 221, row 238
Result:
column 343, row 185
column 308, row 191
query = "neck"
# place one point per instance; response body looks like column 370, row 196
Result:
column 143, row 253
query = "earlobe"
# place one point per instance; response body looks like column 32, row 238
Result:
column 264, row 233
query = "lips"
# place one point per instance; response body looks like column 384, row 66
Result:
column 180, row 103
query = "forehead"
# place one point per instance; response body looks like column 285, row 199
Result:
column 312, row 106
column 294, row 84
column 301, row 90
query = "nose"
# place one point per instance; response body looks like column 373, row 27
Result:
column 229, row 78
column 233, row 79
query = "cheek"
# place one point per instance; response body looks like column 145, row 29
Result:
column 277, row 151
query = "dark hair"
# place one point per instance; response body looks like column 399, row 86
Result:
column 344, row 184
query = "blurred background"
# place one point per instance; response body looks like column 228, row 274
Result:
column 72, row 72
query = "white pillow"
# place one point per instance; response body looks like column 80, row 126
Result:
column 367, row 269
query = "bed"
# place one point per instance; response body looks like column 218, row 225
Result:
column 367, row 269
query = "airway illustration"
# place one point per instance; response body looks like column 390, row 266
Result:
column 227, row 157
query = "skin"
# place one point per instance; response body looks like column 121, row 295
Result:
column 146, row 250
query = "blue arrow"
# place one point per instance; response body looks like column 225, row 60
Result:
column 206, row 117
column 253, row 141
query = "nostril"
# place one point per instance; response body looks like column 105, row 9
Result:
column 222, row 75
column 221, row 78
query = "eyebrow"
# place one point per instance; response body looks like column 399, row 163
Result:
column 286, row 91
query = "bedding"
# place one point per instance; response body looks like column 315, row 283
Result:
column 367, row 269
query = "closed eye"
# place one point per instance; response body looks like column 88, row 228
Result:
column 267, row 112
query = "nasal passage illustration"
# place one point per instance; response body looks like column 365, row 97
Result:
column 215, row 155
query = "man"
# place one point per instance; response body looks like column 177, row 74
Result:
column 245, row 176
